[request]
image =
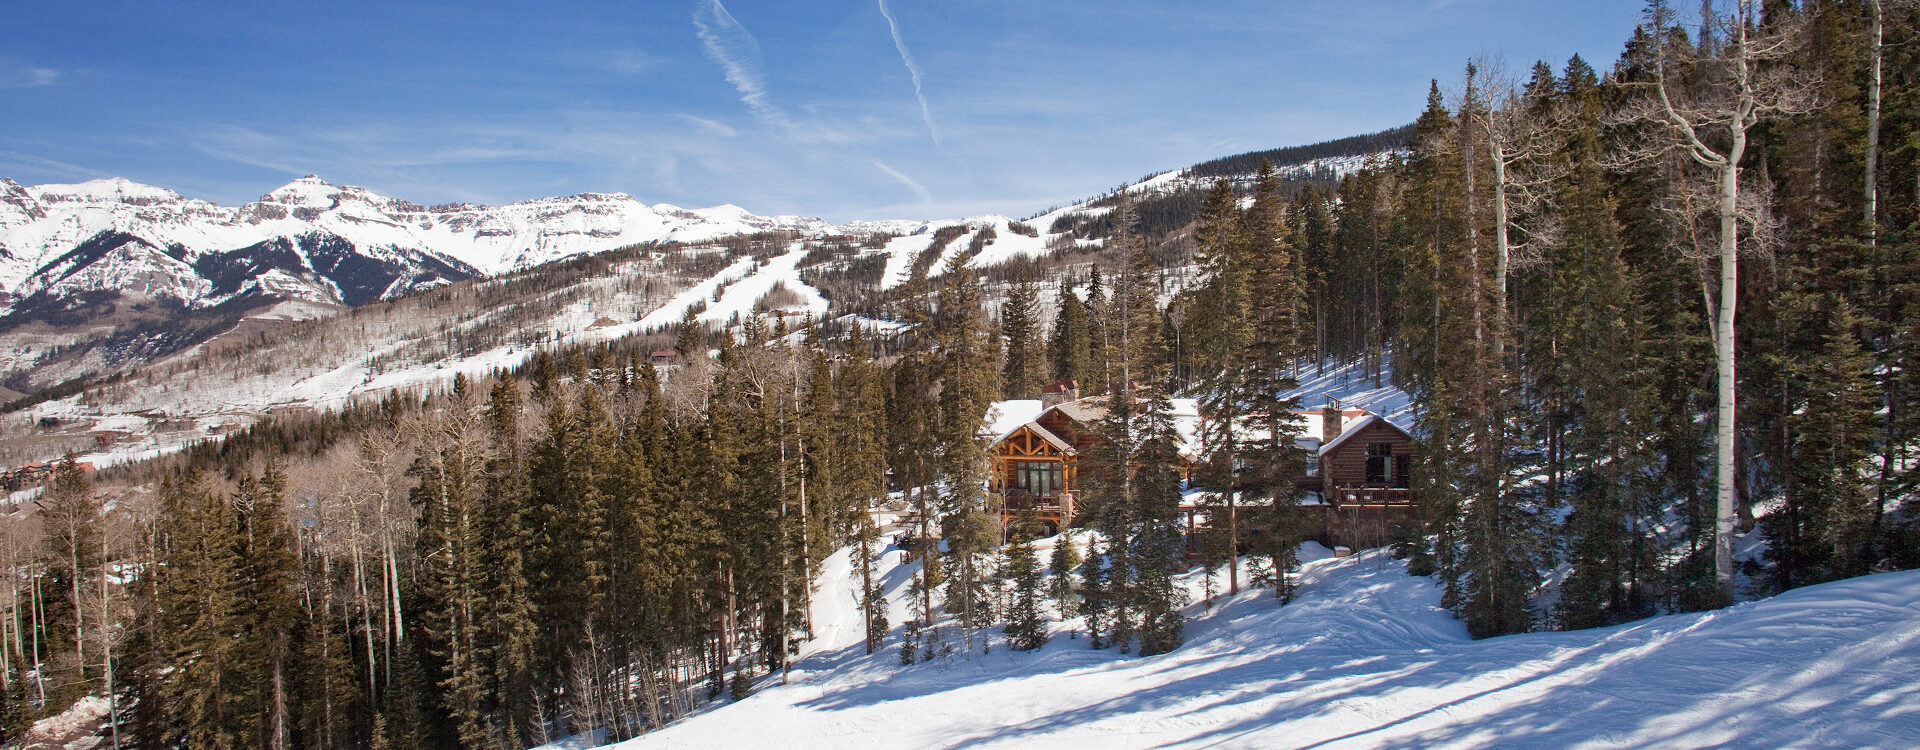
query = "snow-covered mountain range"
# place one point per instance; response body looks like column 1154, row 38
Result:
column 310, row 239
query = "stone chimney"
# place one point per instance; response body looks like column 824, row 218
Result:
column 1330, row 426
column 1059, row 393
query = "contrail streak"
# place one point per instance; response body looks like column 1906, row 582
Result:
column 913, row 69
column 925, row 197
column 729, row 44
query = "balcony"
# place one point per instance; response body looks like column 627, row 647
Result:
column 1018, row 501
column 1373, row 496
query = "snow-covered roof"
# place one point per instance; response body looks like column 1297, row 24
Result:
column 1003, row 417
column 1355, row 428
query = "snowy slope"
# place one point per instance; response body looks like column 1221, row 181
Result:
column 1366, row 658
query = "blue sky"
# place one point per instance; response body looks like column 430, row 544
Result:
column 844, row 110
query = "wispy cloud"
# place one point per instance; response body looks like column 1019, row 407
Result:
column 913, row 69
column 50, row 165
column 738, row 54
column 627, row 63
column 918, row 189
column 717, row 127
column 242, row 145
column 21, row 78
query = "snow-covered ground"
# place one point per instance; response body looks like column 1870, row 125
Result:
column 1366, row 657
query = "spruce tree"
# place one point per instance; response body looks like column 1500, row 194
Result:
column 863, row 472
column 965, row 392
column 1095, row 595
column 1026, row 626
column 1019, row 333
column 201, row 616
column 1224, row 300
column 270, row 575
column 1270, row 355
column 1070, row 344
column 1063, row 566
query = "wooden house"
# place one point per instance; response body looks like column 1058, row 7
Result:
column 1358, row 467
column 1035, row 465
column 1364, row 469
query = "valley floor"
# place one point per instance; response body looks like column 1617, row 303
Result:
column 1365, row 657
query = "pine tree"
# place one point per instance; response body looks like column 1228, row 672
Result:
column 1095, row 604
column 507, row 619
column 201, row 617
column 1070, row 344
column 449, row 548
column 965, row 393
column 1271, row 354
column 1026, row 627
column 1063, row 565
column 1224, row 300
column 1160, row 549
column 1019, row 332
column 863, row 472
column 1594, row 441
column 270, row 574
column 690, row 337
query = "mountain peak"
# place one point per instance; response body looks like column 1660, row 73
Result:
column 308, row 191
column 106, row 190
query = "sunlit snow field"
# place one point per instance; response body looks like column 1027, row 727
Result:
column 1365, row 657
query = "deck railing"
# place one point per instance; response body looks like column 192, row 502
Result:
column 1374, row 496
column 1017, row 500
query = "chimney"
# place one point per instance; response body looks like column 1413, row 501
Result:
column 1330, row 426
column 1059, row 393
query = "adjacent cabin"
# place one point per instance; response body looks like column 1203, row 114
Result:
column 1357, row 467
column 1364, row 466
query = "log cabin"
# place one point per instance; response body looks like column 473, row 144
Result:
column 1035, row 465
column 1357, row 466
column 1363, row 465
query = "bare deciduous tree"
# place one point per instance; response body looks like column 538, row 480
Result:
column 1703, row 101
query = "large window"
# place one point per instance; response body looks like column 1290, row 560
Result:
column 1380, row 464
column 1038, row 477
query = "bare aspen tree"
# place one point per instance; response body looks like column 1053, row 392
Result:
column 1518, row 141
column 1704, row 100
column 70, row 513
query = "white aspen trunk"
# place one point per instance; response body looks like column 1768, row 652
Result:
column 39, row 624
column 79, row 631
column 1878, row 33
column 1723, row 345
column 12, row 638
column 106, row 647
column 1501, row 248
column 393, row 582
column 786, row 564
column 366, row 623
column 806, row 553
column 1473, row 215
column 280, row 738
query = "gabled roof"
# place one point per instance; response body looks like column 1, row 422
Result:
column 1047, row 435
column 1355, row 429
column 1044, row 434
